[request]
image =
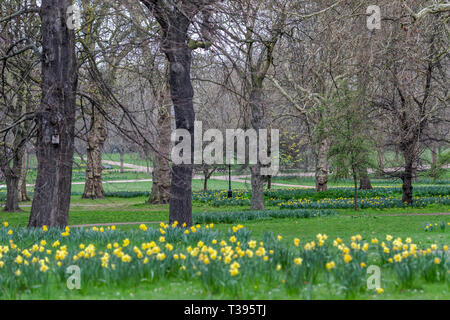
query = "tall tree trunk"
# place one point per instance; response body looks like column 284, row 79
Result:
column 93, row 189
column 355, row 181
column 161, row 167
column 12, row 175
column 407, row 179
column 12, row 168
column 256, row 108
column 179, row 56
column 12, row 194
column 257, row 188
column 55, row 119
column 205, row 184
column 22, row 187
column 322, row 166
column 364, row 181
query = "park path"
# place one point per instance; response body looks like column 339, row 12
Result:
column 245, row 179
column 135, row 167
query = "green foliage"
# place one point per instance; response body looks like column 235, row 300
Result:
column 349, row 152
column 436, row 226
column 438, row 170
column 431, row 194
column 241, row 216
column 365, row 203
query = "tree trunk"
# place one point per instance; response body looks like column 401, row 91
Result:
column 407, row 179
column 364, row 182
column 161, row 167
column 12, row 194
column 205, row 184
column 122, row 154
column 269, row 182
column 256, row 107
column 22, row 187
column 93, row 189
column 12, row 165
column 355, row 180
column 179, row 55
column 257, row 188
column 322, row 166
column 55, row 119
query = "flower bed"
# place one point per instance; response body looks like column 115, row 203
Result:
column 227, row 262
column 373, row 203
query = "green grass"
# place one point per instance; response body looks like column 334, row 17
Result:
column 345, row 226
column 193, row 290
column 368, row 222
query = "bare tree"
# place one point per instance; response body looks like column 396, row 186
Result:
column 410, row 87
column 175, row 20
column 18, row 62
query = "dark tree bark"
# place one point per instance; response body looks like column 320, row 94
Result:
column 205, row 184
column 175, row 20
column 407, row 184
column 355, row 182
column 207, row 173
column 179, row 56
column 12, row 190
column 93, row 189
column 11, row 165
column 269, row 182
column 55, row 119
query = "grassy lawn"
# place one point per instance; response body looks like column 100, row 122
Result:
column 369, row 223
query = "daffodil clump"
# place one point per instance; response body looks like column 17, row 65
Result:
column 223, row 262
column 363, row 203
column 436, row 226
column 379, row 197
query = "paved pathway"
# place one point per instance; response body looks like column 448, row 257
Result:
column 245, row 179
column 135, row 167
